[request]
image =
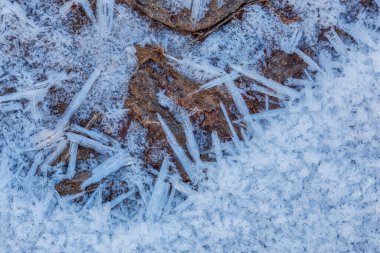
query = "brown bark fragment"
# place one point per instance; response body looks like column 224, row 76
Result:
column 182, row 21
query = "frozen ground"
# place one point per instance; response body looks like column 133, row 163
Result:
column 305, row 179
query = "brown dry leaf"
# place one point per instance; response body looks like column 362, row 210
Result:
column 182, row 21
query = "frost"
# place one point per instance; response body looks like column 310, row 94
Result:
column 142, row 192
column 177, row 149
column 184, row 205
column 96, row 135
column 220, row 3
column 198, row 9
column 168, row 206
column 77, row 100
column 10, row 106
column 60, row 148
column 90, row 143
column 6, row 175
column 182, row 187
column 177, row 5
column 131, row 55
column 116, row 201
column 268, row 114
column 308, row 182
column 159, row 195
column 221, row 80
column 191, row 142
column 336, row 42
column 308, row 60
column 28, row 94
column 72, row 160
column 47, row 137
column 12, row 101
column 207, row 68
column 109, row 166
column 235, row 137
column 360, row 35
column 38, row 159
column 240, row 104
column 104, row 14
column 267, row 92
column 65, row 8
column 277, row 87
column 217, row 147
column 7, row 7
column 289, row 45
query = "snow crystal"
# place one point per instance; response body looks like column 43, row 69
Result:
column 159, row 195
column 191, row 142
column 109, row 166
column 121, row 198
column 89, row 143
column 72, row 160
column 221, row 80
column 104, row 14
column 267, row 82
column 198, row 9
column 235, row 137
column 177, row 149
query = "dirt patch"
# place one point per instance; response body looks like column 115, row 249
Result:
column 57, row 98
column 153, row 75
column 8, row 91
column 73, row 186
column 76, row 17
column 280, row 66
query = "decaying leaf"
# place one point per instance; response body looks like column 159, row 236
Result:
column 183, row 21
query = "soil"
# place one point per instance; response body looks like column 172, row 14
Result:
column 73, row 186
column 154, row 74
column 280, row 66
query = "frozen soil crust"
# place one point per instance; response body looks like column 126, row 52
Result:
column 259, row 138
